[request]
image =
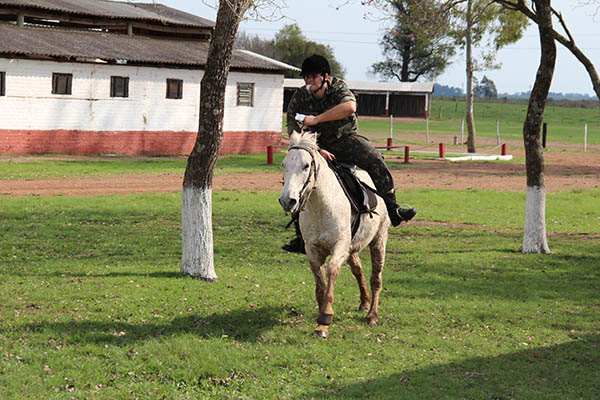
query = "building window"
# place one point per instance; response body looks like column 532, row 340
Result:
column 119, row 86
column 2, row 83
column 245, row 94
column 61, row 83
column 174, row 89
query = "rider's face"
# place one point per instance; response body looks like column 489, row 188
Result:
column 315, row 81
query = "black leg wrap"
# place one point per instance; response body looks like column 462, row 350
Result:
column 325, row 319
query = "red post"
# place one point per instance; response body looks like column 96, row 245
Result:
column 269, row 154
column 389, row 144
column 442, row 151
column 406, row 153
column 503, row 149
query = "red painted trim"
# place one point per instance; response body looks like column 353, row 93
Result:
column 61, row 141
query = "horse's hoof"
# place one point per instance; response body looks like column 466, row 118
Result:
column 325, row 319
column 372, row 321
column 320, row 334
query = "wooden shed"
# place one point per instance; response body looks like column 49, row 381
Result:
column 400, row 99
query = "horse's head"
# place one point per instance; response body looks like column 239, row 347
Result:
column 298, row 168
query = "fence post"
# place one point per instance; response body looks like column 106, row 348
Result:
column 391, row 126
column 585, row 139
column 442, row 151
column 269, row 154
column 389, row 144
column 427, row 130
column 503, row 149
column 406, row 154
column 544, row 131
column 498, row 132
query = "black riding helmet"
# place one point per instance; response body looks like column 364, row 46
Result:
column 315, row 64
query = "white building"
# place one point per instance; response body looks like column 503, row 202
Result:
column 95, row 76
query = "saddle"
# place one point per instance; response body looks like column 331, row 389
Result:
column 362, row 197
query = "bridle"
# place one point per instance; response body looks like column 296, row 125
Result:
column 305, row 192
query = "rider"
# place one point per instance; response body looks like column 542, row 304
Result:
column 330, row 109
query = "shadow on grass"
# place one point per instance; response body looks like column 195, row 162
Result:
column 243, row 325
column 156, row 274
column 564, row 371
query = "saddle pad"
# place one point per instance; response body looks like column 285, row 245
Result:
column 361, row 197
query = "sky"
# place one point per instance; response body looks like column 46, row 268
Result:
column 355, row 42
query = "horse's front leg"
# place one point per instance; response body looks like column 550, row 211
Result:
column 326, row 307
column 316, row 261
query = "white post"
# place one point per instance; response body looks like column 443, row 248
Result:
column 391, row 126
column 462, row 132
column 498, row 132
column 427, row 129
column 585, row 139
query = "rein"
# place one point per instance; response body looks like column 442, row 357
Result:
column 313, row 171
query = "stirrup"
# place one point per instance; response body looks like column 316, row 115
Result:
column 406, row 213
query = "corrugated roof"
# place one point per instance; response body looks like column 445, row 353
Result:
column 400, row 87
column 51, row 42
column 115, row 10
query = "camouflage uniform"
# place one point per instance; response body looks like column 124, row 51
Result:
column 340, row 137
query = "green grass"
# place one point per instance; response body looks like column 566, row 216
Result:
column 227, row 164
column 92, row 304
column 565, row 124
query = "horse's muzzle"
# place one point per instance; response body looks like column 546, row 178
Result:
column 288, row 204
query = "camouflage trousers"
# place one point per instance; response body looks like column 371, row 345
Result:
column 358, row 150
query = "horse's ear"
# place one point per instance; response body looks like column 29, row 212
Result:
column 294, row 138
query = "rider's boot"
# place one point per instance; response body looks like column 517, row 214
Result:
column 397, row 214
column 296, row 245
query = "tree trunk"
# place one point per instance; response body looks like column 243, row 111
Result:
column 404, row 72
column 196, row 201
column 469, row 106
column 534, row 237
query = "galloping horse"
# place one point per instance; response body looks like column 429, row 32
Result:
column 311, row 188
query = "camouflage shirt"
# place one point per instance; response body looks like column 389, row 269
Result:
column 304, row 102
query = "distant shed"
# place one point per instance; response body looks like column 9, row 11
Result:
column 400, row 99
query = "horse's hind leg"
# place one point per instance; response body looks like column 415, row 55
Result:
column 377, row 248
column 356, row 268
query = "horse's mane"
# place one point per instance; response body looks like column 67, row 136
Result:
column 304, row 139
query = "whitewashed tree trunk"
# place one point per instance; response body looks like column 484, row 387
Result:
column 197, row 258
column 197, row 239
column 534, row 236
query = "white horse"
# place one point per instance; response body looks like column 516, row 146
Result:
column 311, row 188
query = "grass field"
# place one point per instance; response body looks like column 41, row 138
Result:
column 248, row 163
column 92, row 304
column 565, row 124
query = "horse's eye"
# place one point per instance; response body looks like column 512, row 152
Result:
column 306, row 166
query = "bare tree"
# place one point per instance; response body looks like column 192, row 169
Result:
column 479, row 24
column 568, row 41
column 488, row 26
column 534, row 236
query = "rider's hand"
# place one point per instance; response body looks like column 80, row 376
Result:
column 310, row 120
column 327, row 155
